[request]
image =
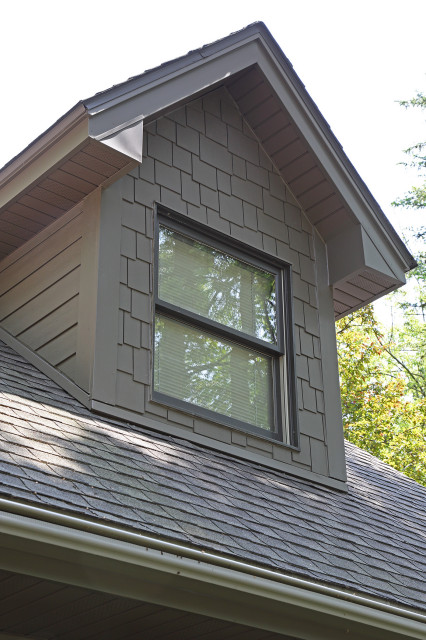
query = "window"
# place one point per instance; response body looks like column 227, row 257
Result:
column 219, row 331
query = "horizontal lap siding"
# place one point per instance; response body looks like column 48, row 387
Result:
column 39, row 293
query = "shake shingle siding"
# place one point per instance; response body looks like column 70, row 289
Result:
column 56, row 454
column 80, row 294
column 204, row 162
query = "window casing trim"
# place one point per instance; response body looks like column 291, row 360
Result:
column 284, row 399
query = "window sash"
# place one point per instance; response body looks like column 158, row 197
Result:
column 249, row 256
column 220, row 329
column 223, row 378
column 216, row 285
column 279, row 405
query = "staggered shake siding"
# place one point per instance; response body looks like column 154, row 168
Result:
column 204, row 162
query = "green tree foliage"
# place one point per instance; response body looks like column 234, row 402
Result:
column 416, row 197
column 380, row 411
column 383, row 371
column 407, row 337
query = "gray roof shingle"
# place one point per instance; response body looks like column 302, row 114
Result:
column 55, row 453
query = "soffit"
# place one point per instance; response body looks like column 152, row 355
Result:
column 66, row 612
column 359, row 290
column 88, row 166
column 290, row 152
column 314, row 189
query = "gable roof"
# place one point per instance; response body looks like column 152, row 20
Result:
column 101, row 138
column 57, row 455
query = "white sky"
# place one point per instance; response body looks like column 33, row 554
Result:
column 356, row 58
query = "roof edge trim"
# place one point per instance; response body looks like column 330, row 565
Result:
column 327, row 131
column 157, row 75
column 45, row 367
column 50, row 527
column 127, row 139
column 42, row 155
column 43, row 142
column 95, row 118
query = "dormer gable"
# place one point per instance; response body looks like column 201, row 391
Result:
column 224, row 151
column 100, row 139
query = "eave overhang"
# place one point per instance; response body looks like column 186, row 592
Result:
column 60, row 169
column 70, row 550
column 101, row 138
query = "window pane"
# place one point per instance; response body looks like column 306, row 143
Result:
column 217, row 286
column 213, row 373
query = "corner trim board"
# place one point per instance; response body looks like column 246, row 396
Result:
column 107, row 303
column 333, row 412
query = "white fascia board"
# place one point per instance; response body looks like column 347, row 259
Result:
column 127, row 140
column 61, row 547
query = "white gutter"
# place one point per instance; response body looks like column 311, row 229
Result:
column 35, row 523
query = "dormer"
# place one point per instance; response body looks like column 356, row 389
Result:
column 174, row 252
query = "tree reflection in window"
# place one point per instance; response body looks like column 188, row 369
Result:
column 218, row 349
column 217, row 286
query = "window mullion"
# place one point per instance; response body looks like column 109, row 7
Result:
column 214, row 327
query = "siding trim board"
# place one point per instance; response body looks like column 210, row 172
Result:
column 89, row 275
column 45, row 367
column 108, row 292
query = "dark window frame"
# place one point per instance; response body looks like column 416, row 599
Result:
column 284, row 401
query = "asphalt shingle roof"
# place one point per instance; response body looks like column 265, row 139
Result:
column 54, row 452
